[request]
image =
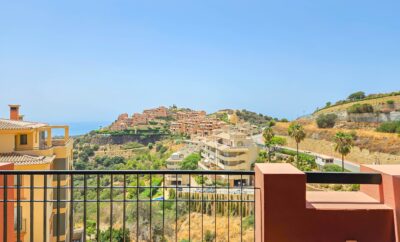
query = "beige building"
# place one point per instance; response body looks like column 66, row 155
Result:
column 31, row 146
column 228, row 150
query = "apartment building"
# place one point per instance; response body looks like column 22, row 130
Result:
column 228, row 150
column 31, row 146
column 196, row 126
column 189, row 114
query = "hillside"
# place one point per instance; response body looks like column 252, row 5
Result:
column 375, row 102
column 370, row 146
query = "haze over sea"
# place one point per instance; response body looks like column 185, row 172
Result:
column 80, row 128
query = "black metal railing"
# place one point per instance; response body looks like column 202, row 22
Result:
column 128, row 205
column 137, row 205
column 344, row 178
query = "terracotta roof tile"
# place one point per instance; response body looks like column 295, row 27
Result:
column 21, row 159
column 7, row 124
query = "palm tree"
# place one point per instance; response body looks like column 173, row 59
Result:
column 297, row 132
column 268, row 135
column 343, row 144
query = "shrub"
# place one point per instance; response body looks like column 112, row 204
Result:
column 332, row 168
column 209, row 236
column 390, row 102
column 360, row 108
column 389, row 127
column 326, row 120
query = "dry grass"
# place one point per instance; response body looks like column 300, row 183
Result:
column 370, row 147
column 373, row 102
column 209, row 224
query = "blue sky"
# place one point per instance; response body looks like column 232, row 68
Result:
column 90, row 60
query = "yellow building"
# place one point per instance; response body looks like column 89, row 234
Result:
column 228, row 150
column 30, row 146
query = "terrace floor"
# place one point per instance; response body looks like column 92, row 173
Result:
column 343, row 201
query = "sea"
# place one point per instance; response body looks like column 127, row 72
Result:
column 79, row 128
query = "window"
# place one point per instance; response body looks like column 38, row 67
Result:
column 23, row 139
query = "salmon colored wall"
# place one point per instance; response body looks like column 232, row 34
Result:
column 388, row 192
column 10, row 205
column 282, row 214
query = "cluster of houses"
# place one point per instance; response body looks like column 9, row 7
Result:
column 188, row 122
column 124, row 121
column 194, row 123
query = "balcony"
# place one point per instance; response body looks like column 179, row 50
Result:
column 140, row 206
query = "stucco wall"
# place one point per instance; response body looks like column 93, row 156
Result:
column 7, row 143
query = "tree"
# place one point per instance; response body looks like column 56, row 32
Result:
column 356, row 96
column 326, row 120
column 343, row 144
column 190, row 162
column 268, row 135
column 297, row 132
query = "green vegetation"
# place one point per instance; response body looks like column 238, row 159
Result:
column 297, row 132
column 326, row 120
column 389, row 127
column 307, row 161
column 143, row 132
column 117, row 235
column 223, row 117
column 357, row 96
column 332, row 168
column 360, row 108
column 390, row 102
column 268, row 135
column 343, row 144
column 209, row 236
column 284, row 120
column 190, row 162
column 253, row 118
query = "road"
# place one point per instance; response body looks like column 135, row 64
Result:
column 348, row 165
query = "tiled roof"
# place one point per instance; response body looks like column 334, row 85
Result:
column 7, row 124
column 21, row 159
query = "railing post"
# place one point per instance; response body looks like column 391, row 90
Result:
column 279, row 198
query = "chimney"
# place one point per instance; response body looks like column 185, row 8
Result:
column 14, row 112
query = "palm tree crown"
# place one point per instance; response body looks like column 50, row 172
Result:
column 343, row 144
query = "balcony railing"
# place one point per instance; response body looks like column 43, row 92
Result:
column 122, row 205
column 138, row 205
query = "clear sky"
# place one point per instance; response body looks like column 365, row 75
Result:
column 91, row 60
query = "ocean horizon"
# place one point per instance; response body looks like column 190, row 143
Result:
column 80, row 128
